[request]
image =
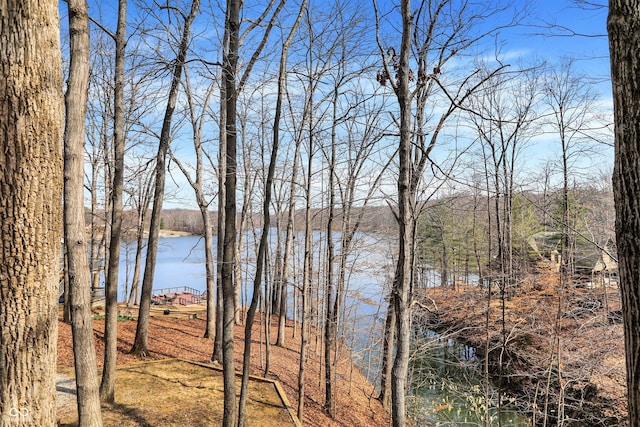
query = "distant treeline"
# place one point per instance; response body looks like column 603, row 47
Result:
column 375, row 219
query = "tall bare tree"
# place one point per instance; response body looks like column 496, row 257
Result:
column 107, row 384
column 623, row 25
column 140, row 346
column 431, row 36
column 307, row 271
column 401, row 291
column 571, row 98
column 229, row 72
column 31, row 117
column 226, row 158
column 315, row 68
column 232, row 84
column 88, row 398
column 197, row 120
column 98, row 137
column 262, row 249
column 216, row 354
column 140, row 195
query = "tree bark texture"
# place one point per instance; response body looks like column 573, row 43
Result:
column 107, row 385
column 229, row 71
column 387, row 357
column 401, row 292
column 624, row 44
column 31, row 117
column 88, row 398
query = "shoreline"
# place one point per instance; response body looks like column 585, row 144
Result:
column 590, row 383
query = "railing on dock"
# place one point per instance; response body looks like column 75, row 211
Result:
column 177, row 295
column 177, row 289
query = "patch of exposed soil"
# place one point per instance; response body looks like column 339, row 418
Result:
column 171, row 337
column 570, row 343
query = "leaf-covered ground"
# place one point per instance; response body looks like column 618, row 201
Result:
column 171, row 337
column 561, row 344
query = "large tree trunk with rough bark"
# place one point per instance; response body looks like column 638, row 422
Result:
column 624, row 43
column 31, row 118
column 88, row 398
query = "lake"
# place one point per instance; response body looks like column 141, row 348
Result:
column 446, row 380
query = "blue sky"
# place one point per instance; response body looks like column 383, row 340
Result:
column 579, row 33
column 535, row 37
column 553, row 29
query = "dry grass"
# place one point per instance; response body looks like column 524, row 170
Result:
column 179, row 393
column 181, row 337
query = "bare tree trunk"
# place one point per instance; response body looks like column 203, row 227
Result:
column 624, row 45
column 268, row 282
column 111, row 283
column 237, row 271
column 140, row 346
column 387, row 357
column 66, row 286
column 401, row 290
column 216, row 355
column 306, row 288
column 229, row 72
column 331, row 317
column 288, row 243
column 570, row 100
column 31, row 117
column 144, row 197
column 280, row 341
column 260, row 264
column 95, row 246
column 307, row 271
column 283, row 276
column 197, row 183
column 88, row 398
column 134, row 294
column 210, row 327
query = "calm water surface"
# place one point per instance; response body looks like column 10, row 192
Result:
column 446, row 385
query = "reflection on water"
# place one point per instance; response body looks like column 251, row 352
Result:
column 447, row 386
column 446, row 382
